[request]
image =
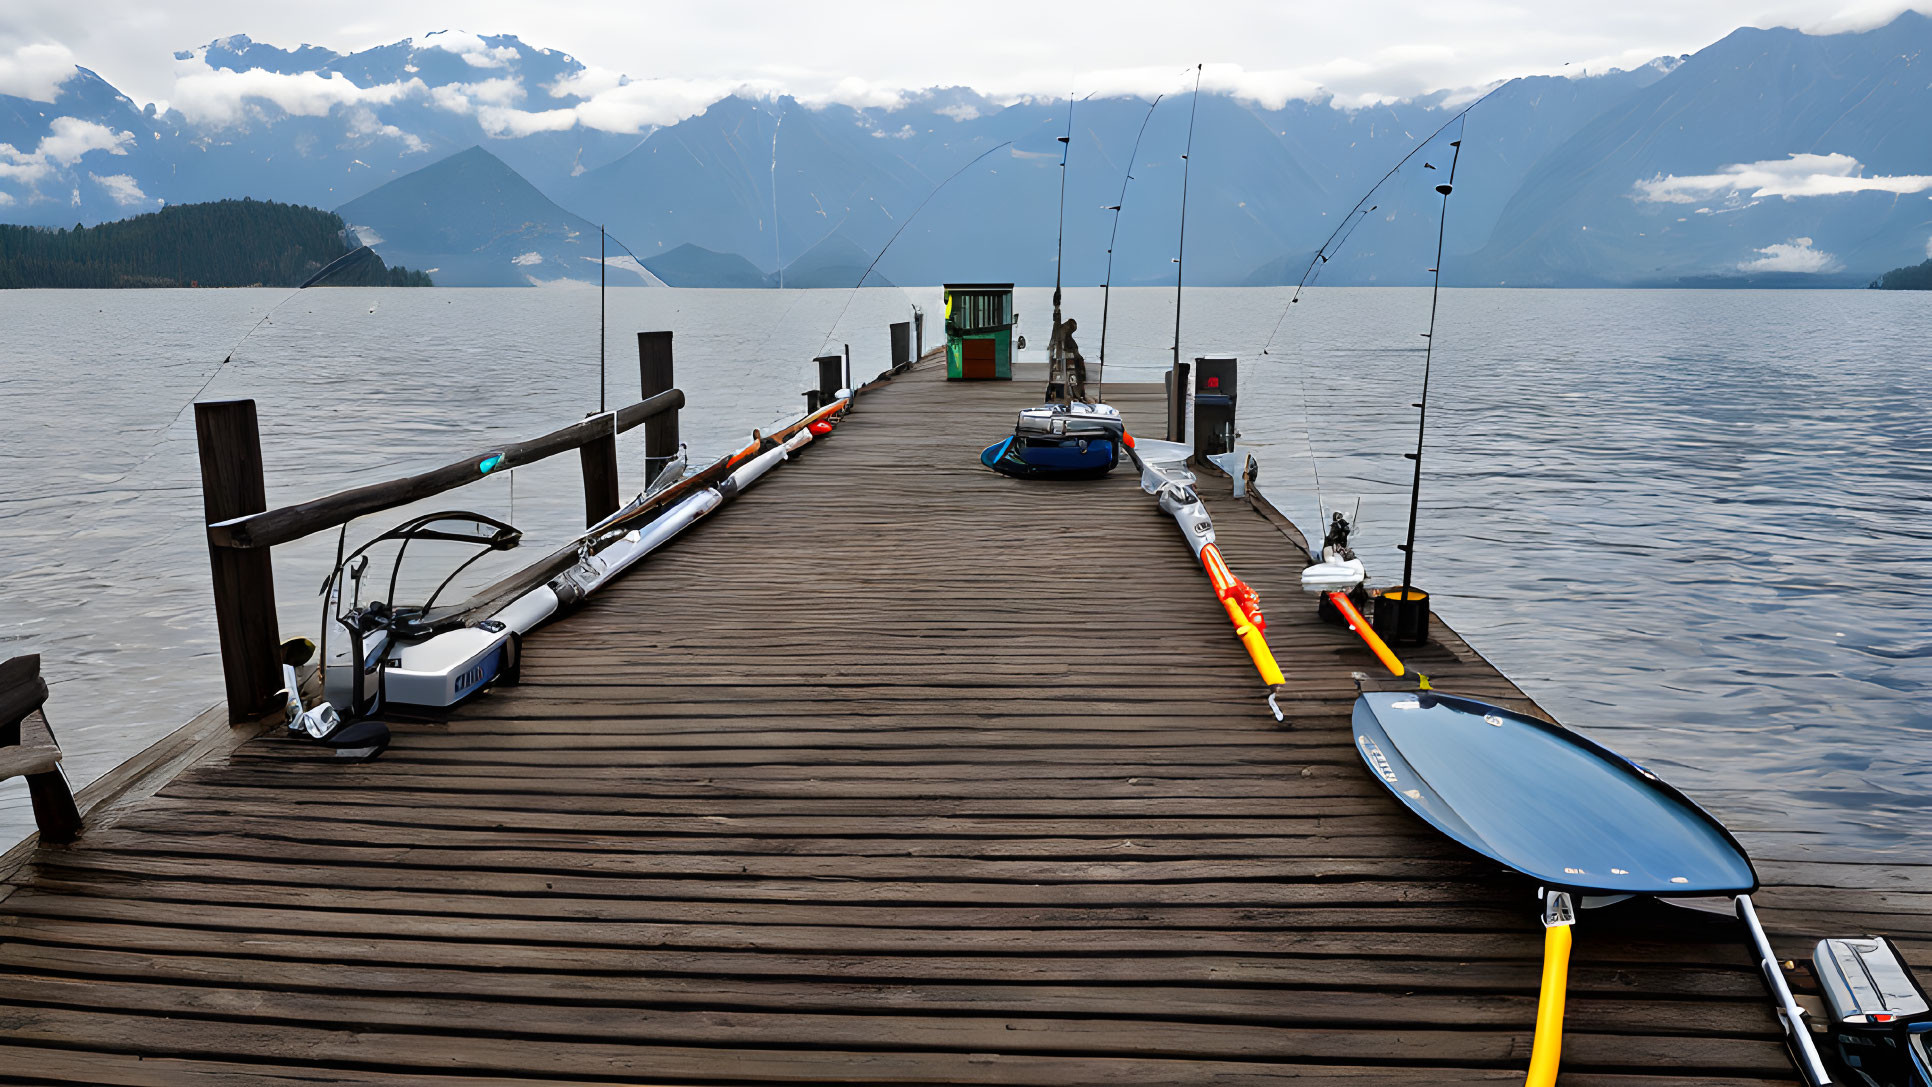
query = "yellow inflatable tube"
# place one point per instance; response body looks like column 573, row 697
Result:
column 1546, row 1053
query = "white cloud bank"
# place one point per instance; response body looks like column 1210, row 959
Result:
column 69, row 139
column 36, row 71
column 1795, row 255
column 1799, row 175
column 218, row 95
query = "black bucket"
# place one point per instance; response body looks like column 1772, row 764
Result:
column 1402, row 616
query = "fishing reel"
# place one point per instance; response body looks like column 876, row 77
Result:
column 320, row 723
column 1336, row 542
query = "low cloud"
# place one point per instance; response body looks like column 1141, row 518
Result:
column 36, row 71
column 122, row 188
column 857, row 93
column 219, row 96
column 69, row 139
column 364, row 123
column 469, row 97
column 72, row 137
column 472, row 48
column 608, row 102
column 1795, row 255
column 653, row 103
column 1791, row 178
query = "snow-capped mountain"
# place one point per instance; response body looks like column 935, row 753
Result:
column 1771, row 153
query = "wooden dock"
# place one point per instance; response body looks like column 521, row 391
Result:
column 899, row 771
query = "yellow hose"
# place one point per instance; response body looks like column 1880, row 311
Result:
column 1256, row 645
column 1547, row 1051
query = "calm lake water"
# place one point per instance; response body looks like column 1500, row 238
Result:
column 1693, row 523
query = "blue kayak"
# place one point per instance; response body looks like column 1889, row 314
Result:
column 1548, row 802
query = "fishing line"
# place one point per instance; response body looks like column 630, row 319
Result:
column 895, row 237
column 777, row 250
column 160, row 435
column 1321, row 256
column 1106, row 286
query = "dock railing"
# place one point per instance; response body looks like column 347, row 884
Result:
column 242, row 529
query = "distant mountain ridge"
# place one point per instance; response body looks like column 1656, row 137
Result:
column 1769, row 156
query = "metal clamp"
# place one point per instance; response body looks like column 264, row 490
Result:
column 1557, row 909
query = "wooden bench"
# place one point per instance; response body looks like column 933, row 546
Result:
column 27, row 749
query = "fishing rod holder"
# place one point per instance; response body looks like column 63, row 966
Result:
column 1201, row 400
column 1402, row 616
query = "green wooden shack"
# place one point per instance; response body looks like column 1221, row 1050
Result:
column 979, row 331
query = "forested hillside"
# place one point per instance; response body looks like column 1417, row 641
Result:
column 227, row 243
column 1916, row 277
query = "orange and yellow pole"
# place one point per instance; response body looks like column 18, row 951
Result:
column 1369, row 638
column 1244, row 611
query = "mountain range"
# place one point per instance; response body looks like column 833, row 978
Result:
column 1771, row 157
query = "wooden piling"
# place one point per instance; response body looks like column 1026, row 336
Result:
column 831, row 371
column 661, row 432
column 901, row 345
column 599, row 456
column 229, row 441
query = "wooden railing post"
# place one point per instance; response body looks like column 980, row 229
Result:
column 901, row 345
column 230, row 444
column 831, row 369
column 661, row 432
column 599, row 456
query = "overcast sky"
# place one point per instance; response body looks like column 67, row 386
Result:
column 1269, row 47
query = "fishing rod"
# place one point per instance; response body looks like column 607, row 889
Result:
column 1356, row 214
column 603, row 263
column 1428, row 354
column 1106, row 286
column 1056, row 342
column 950, row 178
column 1180, row 249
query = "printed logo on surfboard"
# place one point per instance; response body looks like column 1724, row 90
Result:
column 1376, row 759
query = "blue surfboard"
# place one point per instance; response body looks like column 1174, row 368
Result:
column 1548, row 802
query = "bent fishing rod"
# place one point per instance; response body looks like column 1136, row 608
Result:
column 1347, row 226
column 1428, row 355
column 1106, row 286
column 1055, row 346
column 1180, row 248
